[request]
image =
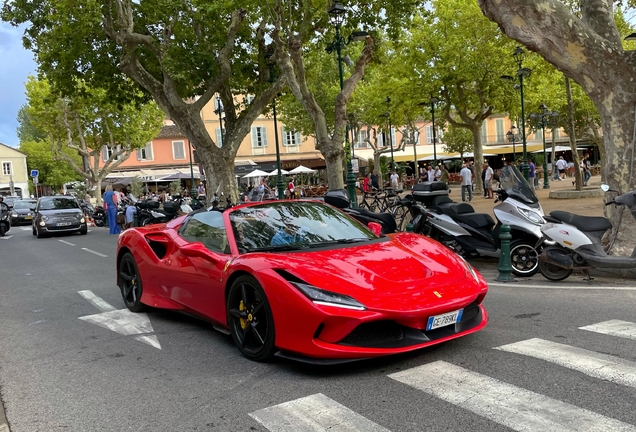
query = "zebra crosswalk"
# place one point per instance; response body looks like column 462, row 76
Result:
column 488, row 397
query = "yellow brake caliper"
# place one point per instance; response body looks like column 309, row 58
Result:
column 243, row 321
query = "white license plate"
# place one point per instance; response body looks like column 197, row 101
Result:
column 62, row 224
column 444, row 319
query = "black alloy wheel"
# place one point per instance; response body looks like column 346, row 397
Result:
column 250, row 319
column 130, row 283
column 524, row 258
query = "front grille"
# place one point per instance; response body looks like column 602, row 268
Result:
column 389, row 334
column 375, row 334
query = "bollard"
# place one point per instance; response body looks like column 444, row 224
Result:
column 410, row 227
column 505, row 266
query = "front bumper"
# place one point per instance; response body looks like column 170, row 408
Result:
column 21, row 219
column 54, row 227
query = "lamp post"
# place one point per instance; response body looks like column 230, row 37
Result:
column 513, row 137
column 218, row 111
column 544, row 118
column 387, row 101
column 336, row 13
column 519, row 54
column 280, row 186
column 433, row 100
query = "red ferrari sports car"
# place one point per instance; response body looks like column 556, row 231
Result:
column 302, row 280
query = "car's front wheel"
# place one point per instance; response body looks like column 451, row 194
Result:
column 250, row 319
column 130, row 283
column 39, row 233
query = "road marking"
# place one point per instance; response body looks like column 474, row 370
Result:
column 624, row 329
column 511, row 406
column 313, row 413
column 96, row 253
column 120, row 321
column 65, row 242
column 563, row 287
column 602, row 366
column 26, row 229
column 6, row 237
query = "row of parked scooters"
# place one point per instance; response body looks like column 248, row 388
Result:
column 555, row 244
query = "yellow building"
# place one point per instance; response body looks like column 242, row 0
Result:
column 14, row 178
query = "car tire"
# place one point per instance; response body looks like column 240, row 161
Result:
column 83, row 231
column 129, row 283
column 39, row 234
column 524, row 258
column 33, row 230
column 3, row 230
column 250, row 319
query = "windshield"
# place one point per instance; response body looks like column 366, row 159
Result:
column 23, row 205
column 516, row 186
column 10, row 200
column 290, row 226
column 58, row 204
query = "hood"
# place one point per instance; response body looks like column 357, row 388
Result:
column 58, row 212
column 22, row 211
column 407, row 267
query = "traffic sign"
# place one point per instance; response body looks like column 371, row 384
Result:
column 35, row 180
column 35, row 173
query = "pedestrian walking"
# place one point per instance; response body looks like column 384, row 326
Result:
column 375, row 180
column 561, row 165
column 111, row 201
column 467, row 183
column 532, row 174
column 488, row 177
column 394, row 180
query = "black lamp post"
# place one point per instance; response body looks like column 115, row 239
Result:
column 513, row 137
column 519, row 54
column 433, row 100
column 280, row 186
column 544, row 118
column 336, row 12
column 387, row 101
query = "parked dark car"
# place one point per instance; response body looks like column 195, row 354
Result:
column 9, row 200
column 55, row 214
column 22, row 213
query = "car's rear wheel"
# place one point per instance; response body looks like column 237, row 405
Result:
column 524, row 258
column 250, row 319
column 130, row 283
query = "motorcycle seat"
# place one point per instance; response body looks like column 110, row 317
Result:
column 385, row 219
column 584, row 223
column 465, row 213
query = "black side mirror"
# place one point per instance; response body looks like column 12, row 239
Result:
column 32, row 208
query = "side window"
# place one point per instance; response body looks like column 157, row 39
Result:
column 209, row 229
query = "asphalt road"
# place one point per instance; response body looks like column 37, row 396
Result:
column 532, row 368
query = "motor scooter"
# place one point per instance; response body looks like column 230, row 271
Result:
column 578, row 242
column 471, row 234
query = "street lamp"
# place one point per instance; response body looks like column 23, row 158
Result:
column 387, row 101
column 513, row 137
column 544, row 118
column 519, row 54
column 280, row 187
column 433, row 100
column 336, row 13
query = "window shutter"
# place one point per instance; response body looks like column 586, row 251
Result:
column 104, row 153
column 297, row 138
column 139, row 155
column 393, row 143
column 284, row 135
column 264, row 132
column 254, row 137
column 149, row 151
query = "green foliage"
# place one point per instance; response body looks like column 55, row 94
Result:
column 175, row 187
column 53, row 173
column 136, row 186
column 458, row 140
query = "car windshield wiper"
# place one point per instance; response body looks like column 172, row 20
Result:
column 276, row 248
column 338, row 241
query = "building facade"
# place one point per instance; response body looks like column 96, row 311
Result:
column 14, row 177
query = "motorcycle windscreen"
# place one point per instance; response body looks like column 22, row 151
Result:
column 512, row 181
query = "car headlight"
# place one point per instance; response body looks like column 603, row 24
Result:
column 470, row 268
column 14, row 214
column 328, row 298
column 532, row 216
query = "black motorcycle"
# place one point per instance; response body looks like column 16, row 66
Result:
column 340, row 199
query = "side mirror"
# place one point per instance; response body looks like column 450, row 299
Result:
column 376, row 228
column 32, row 208
column 197, row 250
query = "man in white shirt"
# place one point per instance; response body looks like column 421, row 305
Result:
column 431, row 173
column 394, row 180
column 438, row 173
column 561, row 165
column 467, row 183
column 488, row 180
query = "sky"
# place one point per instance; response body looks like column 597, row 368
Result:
column 16, row 64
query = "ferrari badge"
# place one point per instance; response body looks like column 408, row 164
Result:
column 437, row 294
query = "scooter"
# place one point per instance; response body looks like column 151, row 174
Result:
column 5, row 219
column 578, row 242
column 340, row 199
column 471, row 234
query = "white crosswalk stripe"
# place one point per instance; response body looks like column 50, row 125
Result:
column 624, row 329
column 314, row 413
column 511, row 406
column 602, row 366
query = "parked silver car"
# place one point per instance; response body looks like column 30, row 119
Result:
column 54, row 214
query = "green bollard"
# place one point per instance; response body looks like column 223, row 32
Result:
column 410, row 227
column 505, row 266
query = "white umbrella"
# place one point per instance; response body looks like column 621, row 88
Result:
column 302, row 169
column 256, row 173
column 275, row 172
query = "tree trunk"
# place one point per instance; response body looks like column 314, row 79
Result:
column 572, row 134
column 478, row 153
column 577, row 46
column 378, row 167
column 98, row 191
